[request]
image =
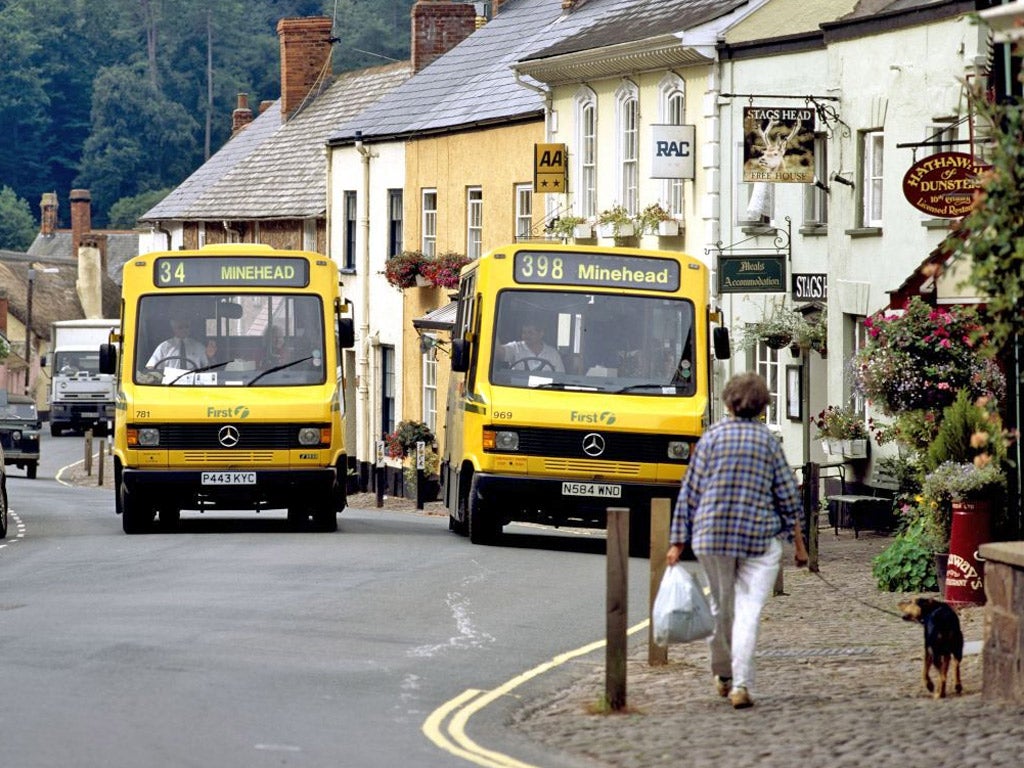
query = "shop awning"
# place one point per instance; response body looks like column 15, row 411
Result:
column 441, row 319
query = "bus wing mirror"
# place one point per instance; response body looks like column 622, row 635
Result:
column 108, row 358
column 460, row 355
column 346, row 333
column 720, row 339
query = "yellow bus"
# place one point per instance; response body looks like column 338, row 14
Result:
column 230, row 392
column 581, row 380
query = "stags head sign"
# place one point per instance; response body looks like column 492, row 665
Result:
column 778, row 144
column 943, row 184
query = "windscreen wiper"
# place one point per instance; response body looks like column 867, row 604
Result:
column 277, row 368
column 214, row 366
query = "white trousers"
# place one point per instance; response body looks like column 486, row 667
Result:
column 740, row 587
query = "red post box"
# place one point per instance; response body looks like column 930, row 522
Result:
column 964, row 571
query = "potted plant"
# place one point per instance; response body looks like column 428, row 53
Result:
column 443, row 270
column 809, row 333
column 572, row 226
column 615, row 222
column 842, row 431
column 775, row 330
column 403, row 269
column 655, row 218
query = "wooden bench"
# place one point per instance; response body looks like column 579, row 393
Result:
column 861, row 506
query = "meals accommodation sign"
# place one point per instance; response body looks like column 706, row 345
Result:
column 751, row 274
column 778, row 145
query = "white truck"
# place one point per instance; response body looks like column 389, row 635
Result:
column 80, row 396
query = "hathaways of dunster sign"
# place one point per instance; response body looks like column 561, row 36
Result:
column 943, row 184
column 778, row 144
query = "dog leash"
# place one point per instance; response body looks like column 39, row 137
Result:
column 855, row 599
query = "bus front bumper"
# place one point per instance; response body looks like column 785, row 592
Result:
column 233, row 489
column 566, row 502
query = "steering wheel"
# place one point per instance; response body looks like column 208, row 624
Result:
column 189, row 365
column 545, row 364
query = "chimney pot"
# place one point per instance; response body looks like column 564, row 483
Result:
column 81, row 218
column 242, row 115
column 48, row 214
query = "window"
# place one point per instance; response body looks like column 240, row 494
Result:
column 942, row 135
column 816, row 198
column 586, row 158
column 872, row 145
column 673, row 109
column 429, row 240
column 394, row 222
column 387, row 390
column 430, row 381
column 349, row 254
column 767, row 364
column 755, row 201
column 524, row 211
column 858, row 340
column 474, row 222
column 628, row 116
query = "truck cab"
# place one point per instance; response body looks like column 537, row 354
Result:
column 19, row 432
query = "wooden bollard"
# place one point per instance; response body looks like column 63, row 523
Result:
column 661, row 518
column 617, row 615
column 88, row 452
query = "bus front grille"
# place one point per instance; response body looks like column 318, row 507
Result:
column 590, row 468
column 234, row 458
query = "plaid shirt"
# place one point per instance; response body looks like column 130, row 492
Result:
column 738, row 493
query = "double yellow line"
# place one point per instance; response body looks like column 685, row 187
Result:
column 446, row 725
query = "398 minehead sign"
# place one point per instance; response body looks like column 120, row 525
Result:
column 943, row 184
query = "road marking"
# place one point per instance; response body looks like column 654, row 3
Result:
column 67, row 467
column 446, row 725
column 19, row 529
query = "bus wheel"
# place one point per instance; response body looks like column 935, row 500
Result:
column 483, row 529
column 136, row 514
column 297, row 517
column 31, row 469
column 457, row 526
column 169, row 518
column 325, row 519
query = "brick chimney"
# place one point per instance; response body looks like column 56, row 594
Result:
column 4, row 311
column 81, row 218
column 437, row 27
column 305, row 58
column 242, row 115
column 48, row 214
column 265, row 105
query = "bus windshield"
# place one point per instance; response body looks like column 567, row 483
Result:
column 605, row 342
column 213, row 340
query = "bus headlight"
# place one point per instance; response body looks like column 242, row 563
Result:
column 145, row 437
column 678, row 450
column 309, row 436
column 500, row 440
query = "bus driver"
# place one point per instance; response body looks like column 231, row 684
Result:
column 532, row 353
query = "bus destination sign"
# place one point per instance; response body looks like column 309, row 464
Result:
column 596, row 269
column 233, row 271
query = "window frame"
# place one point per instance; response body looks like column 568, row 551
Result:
column 474, row 222
column 587, row 156
column 395, row 221
column 350, row 208
column 872, row 144
column 523, row 210
column 627, row 142
column 673, row 112
column 428, row 236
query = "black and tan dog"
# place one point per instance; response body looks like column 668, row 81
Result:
column 943, row 640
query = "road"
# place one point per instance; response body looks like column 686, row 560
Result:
column 236, row 642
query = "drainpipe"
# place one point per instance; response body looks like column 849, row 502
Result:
column 367, row 451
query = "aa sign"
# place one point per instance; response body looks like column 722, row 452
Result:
column 673, row 151
column 550, row 162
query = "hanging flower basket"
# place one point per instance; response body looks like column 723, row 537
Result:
column 777, row 340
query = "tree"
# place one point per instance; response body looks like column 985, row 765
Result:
column 992, row 234
column 139, row 141
column 125, row 213
column 17, row 227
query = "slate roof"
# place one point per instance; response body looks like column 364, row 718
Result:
column 121, row 246
column 279, row 171
column 53, row 293
column 471, row 85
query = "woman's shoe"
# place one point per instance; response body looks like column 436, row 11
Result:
column 740, row 699
column 723, row 685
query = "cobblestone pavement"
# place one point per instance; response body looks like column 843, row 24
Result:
column 838, row 684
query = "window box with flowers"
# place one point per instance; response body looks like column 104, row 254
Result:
column 443, row 270
column 403, row 269
column 842, row 432
column 615, row 222
column 570, row 226
column 656, row 219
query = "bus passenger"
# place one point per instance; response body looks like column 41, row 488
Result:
column 532, row 353
column 179, row 351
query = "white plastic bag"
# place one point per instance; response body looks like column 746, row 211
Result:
column 681, row 613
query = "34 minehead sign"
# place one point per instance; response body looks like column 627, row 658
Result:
column 943, row 184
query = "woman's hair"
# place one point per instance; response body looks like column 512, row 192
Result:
column 745, row 395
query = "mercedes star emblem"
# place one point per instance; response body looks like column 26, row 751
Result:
column 228, row 436
column 593, row 444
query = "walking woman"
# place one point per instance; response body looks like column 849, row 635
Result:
column 738, row 500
